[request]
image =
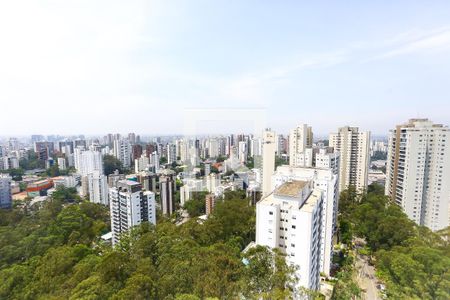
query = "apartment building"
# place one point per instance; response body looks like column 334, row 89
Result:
column 418, row 171
column 290, row 219
column 354, row 148
column 130, row 206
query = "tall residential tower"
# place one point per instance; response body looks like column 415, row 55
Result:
column 300, row 138
column 268, row 161
column 418, row 171
column 354, row 148
column 130, row 206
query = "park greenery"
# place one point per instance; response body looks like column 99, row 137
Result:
column 196, row 206
column 31, row 161
column 111, row 163
column 16, row 174
column 55, row 252
column 411, row 260
column 379, row 155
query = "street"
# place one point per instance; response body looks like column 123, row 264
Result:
column 366, row 278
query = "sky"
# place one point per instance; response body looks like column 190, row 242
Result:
column 93, row 67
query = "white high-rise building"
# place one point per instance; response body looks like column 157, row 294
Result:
column 130, row 206
column 327, row 181
column 255, row 147
column 62, row 163
column 418, row 171
column 166, row 188
column 212, row 182
column 190, row 185
column 141, row 164
column 154, row 161
column 300, row 139
column 268, row 161
column 93, row 180
column 98, row 188
column 290, row 219
column 77, row 158
column 182, row 148
column 328, row 160
column 5, row 191
column 88, row 162
column 122, row 151
column 171, row 153
column 242, row 152
column 304, row 159
column 9, row 162
column 214, row 149
column 354, row 149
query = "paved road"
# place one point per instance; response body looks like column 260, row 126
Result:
column 366, row 278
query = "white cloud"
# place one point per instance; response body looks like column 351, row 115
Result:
column 433, row 41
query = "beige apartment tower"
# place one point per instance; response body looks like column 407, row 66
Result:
column 300, row 138
column 354, row 148
column 268, row 161
column 418, row 171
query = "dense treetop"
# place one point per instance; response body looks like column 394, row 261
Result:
column 56, row 253
column 413, row 261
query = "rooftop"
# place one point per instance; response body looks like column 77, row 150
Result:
column 311, row 202
column 290, row 188
column 129, row 182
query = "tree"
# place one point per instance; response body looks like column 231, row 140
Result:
column 267, row 274
column 220, row 159
column 111, row 163
column 280, row 161
column 413, row 261
column 379, row 155
column 233, row 195
column 31, row 162
column 55, row 253
column 16, row 174
column 195, row 207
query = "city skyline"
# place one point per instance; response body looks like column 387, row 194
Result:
column 130, row 67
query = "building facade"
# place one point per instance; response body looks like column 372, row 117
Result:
column 268, row 161
column 122, row 151
column 328, row 182
column 418, row 171
column 130, row 206
column 300, row 138
column 166, row 189
column 290, row 219
column 354, row 148
column 98, row 188
column 5, row 191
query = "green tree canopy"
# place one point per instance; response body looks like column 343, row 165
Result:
column 111, row 163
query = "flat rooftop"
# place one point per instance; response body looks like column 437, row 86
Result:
column 290, row 188
column 311, row 202
column 129, row 182
column 307, row 206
